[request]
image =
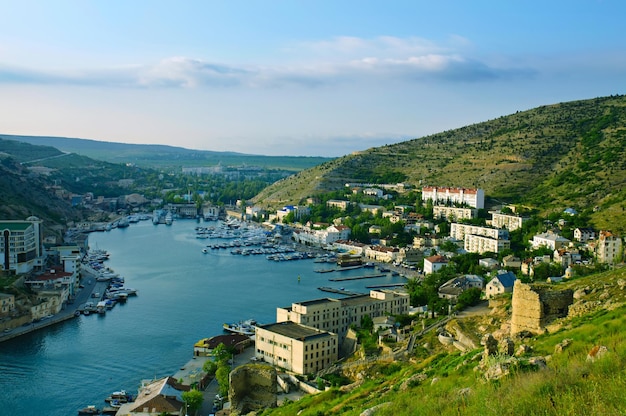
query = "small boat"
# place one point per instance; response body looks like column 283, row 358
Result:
column 89, row 410
column 243, row 327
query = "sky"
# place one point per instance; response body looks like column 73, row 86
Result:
column 296, row 78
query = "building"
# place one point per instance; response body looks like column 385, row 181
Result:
column 453, row 213
column 455, row 286
column 434, row 263
column 337, row 203
column 7, row 304
column 458, row 231
column 21, row 245
column 295, row 347
column 584, row 234
column 511, row 262
column 488, row 263
column 480, row 244
column 609, row 248
column 337, row 315
column 449, row 196
column 382, row 254
column 502, row 283
column 320, row 238
column 163, row 396
column 410, row 255
column 508, row 221
column 549, row 240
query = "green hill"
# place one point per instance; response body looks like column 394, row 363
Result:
column 563, row 155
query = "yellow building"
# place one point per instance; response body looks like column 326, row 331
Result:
column 294, row 347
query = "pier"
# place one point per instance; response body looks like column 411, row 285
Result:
column 340, row 291
column 365, row 276
column 389, row 285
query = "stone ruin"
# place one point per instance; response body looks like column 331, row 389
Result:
column 252, row 387
column 534, row 306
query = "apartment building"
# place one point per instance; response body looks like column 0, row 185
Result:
column 508, row 221
column 481, row 244
column 336, row 315
column 294, row 347
column 459, row 231
column 21, row 245
column 453, row 213
column 550, row 240
column 473, row 197
column 609, row 248
column 319, row 238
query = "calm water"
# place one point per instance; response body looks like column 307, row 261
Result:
column 184, row 295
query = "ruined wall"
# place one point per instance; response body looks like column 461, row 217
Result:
column 534, row 306
column 252, row 387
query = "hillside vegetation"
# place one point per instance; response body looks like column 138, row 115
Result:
column 438, row 380
column 165, row 157
column 563, row 155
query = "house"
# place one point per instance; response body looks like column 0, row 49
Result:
column 502, row 283
column 434, row 263
column 455, row 286
column 549, row 240
column 383, row 322
column 511, row 262
column 584, row 234
column 381, row 253
column 488, row 263
column 162, row 396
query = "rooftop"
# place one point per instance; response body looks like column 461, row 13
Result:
column 294, row 330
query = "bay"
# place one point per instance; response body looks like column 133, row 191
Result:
column 183, row 295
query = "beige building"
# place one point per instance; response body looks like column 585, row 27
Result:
column 381, row 253
column 336, row 315
column 459, row 231
column 609, row 247
column 453, row 213
column 295, row 347
column 480, row 244
column 510, row 222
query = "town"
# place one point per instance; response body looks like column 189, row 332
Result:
column 448, row 240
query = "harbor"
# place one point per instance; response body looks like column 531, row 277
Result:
column 185, row 295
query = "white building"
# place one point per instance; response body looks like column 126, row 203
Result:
column 472, row 197
column 434, row 263
column 458, row 231
column 453, row 213
column 321, row 238
column 480, row 244
column 550, row 240
column 584, row 234
column 21, row 245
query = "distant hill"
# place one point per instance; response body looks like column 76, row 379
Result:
column 161, row 156
column 556, row 156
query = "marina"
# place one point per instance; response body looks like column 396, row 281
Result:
column 184, row 295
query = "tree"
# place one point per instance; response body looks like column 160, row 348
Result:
column 221, row 376
column 193, row 399
column 210, row 367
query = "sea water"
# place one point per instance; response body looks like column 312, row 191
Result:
column 184, row 295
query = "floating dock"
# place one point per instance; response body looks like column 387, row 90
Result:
column 366, row 276
column 339, row 291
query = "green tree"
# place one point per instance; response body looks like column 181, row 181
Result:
column 210, row 367
column 193, row 398
column 221, row 375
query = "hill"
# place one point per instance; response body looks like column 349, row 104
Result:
column 161, row 156
column 556, row 156
column 550, row 374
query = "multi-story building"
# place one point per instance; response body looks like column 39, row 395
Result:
column 481, row 244
column 338, row 203
column 294, row 347
column 336, row 315
column 550, row 240
column 472, row 197
column 21, row 245
column 459, row 231
column 319, row 238
column 584, row 234
column 453, row 213
column 382, row 254
column 508, row 221
column 609, row 247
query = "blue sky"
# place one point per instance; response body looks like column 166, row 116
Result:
column 312, row 78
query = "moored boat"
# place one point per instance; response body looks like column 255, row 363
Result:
column 244, row 327
column 89, row 410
